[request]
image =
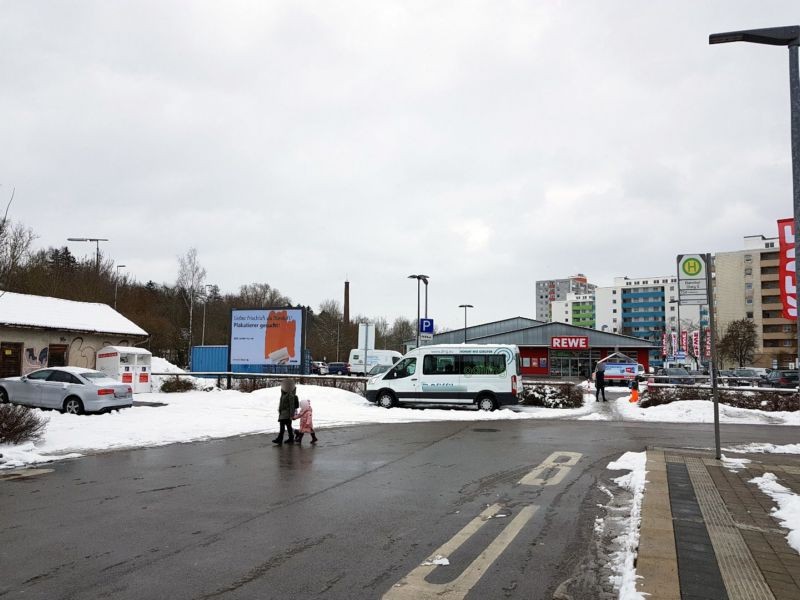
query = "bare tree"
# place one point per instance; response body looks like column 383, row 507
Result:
column 739, row 342
column 191, row 276
column 262, row 295
column 15, row 246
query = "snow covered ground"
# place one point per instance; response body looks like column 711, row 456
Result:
column 702, row 411
column 788, row 511
column 200, row 415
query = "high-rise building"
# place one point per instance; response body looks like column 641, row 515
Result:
column 552, row 290
column 746, row 286
column 577, row 309
column 645, row 307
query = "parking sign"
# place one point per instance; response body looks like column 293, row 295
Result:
column 426, row 326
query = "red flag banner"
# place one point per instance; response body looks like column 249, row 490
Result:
column 696, row 343
column 707, row 334
column 664, row 344
column 788, row 269
column 674, row 339
column 685, row 340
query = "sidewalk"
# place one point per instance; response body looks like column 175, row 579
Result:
column 707, row 532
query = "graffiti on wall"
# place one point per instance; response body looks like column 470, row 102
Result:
column 80, row 353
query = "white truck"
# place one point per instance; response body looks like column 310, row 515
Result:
column 374, row 357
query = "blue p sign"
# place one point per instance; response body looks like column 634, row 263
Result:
column 426, row 325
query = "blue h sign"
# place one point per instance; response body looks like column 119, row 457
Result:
column 426, row 325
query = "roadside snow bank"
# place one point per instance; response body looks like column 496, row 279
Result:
column 764, row 449
column 160, row 365
column 788, row 511
column 702, row 411
column 627, row 543
column 13, row 456
column 196, row 415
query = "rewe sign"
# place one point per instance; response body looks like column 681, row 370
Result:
column 569, row 342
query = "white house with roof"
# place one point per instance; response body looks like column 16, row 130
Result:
column 39, row 331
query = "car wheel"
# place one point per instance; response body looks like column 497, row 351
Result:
column 486, row 403
column 73, row 406
column 3, row 396
column 386, row 399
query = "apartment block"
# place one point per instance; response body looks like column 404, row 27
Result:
column 555, row 290
column 577, row 309
column 747, row 287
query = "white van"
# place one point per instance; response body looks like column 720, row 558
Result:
column 487, row 375
column 374, row 357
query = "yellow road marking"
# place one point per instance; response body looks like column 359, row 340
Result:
column 554, row 461
column 414, row 586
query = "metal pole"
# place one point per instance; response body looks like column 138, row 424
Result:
column 714, row 389
column 203, row 336
column 97, row 259
column 338, row 325
column 794, row 101
column 116, row 285
column 465, row 324
column 418, row 312
column 426, row 298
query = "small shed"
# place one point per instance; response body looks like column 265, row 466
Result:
column 40, row 331
column 128, row 365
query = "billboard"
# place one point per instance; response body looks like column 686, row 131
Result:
column 267, row 336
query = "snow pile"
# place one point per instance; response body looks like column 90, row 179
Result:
column 765, row 449
column 702, row 411
column 160, row 365
column 735, row 464
column 623, row 559
column 788, row 511
column 14, row 456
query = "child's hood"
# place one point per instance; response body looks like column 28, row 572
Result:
column 304, row 404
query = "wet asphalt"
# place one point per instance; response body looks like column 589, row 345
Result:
column 349, row 518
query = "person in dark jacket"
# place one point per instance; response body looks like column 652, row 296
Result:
column 600, row 382
column 287, row 406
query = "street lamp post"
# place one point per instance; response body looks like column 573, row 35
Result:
column 116, row 285
column 425, row 279
column 96, row 241
column 789, row 37
column 465, row 307
column 205, row 303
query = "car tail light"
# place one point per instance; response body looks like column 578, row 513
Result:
column 783, row 380
column 105, row 392
column 130, row 391
column 514, row 384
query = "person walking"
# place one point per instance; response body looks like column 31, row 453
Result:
column 600, row 382
column 287, row 406
column 306, row 424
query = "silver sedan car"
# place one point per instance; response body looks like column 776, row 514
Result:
column 72, row 390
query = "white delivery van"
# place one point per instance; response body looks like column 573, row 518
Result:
column 487, row 375
column 374, row 357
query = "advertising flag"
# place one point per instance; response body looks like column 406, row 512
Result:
column 674, row 339
column 684, row 340
column 664, row 344
column 788, row 269
column 696, row 343
column 707, row 333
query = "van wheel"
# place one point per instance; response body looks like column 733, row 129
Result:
column 386, row 399
column 486, row 403
column 3, row 396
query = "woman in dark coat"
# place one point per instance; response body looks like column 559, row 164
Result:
column 286, row 408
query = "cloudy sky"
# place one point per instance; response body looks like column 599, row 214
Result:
column 486, row 144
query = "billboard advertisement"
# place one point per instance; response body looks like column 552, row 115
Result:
column 267, row 336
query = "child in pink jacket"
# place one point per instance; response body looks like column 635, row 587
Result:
column 306, row 424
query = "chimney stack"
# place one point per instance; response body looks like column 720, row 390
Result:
column 346, row 301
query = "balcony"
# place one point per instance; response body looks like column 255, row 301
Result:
column 769, row 263
column 771, row 306
column 770, row 277
column 790, row 335
column 775, row 321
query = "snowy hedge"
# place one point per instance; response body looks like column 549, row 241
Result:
column 767, row 400
column 552, row 395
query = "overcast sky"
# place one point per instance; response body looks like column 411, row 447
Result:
column 486, row 144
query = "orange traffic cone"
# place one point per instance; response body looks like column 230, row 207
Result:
column 634, row 396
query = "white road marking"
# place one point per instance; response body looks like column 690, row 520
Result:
column 561, row 467
column 414, row 586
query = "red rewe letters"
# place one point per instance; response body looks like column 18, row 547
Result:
column 788, row 268
column 569, row 342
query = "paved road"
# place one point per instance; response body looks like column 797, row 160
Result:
column 350, row 518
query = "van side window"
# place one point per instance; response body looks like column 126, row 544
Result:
column 405, row 368
column 439, row 364
column 483, row 364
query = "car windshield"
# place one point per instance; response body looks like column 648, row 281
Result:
column 677, row 371
column 746, row 372
column 378, row 369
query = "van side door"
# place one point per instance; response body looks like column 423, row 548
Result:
column 440, row 380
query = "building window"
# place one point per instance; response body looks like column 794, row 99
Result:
column 748, row 271
column 749, row 315
column 614, row 301
column 788, row 342
column 748, row 286
column 748, row 258
column 748, row 300
column 614, row 310
column 614, row 292
column 770, row 245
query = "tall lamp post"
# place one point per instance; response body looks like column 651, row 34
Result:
column 789, row 37
column 420, row 278
column 208, row 286
column 465, row 307
column 116, row 285
column 96, row 241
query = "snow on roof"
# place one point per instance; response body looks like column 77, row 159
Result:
column 25, row 310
